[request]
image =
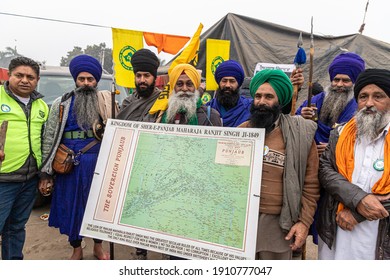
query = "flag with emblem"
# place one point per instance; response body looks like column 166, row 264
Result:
column 125, row 44
column 188, row 55
column 217, row 51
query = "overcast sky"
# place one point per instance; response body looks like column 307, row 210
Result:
column 48, row 41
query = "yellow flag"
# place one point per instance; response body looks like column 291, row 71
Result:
column 188, row 55
column 125, row 44
column 217, row 51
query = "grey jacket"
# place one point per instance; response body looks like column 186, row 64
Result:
column 54, row 130
column 337, row 188
column 136, row 108
column 298, row 134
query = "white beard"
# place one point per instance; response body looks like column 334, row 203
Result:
column 370, row 125
column 182, row 101
column 334, row 104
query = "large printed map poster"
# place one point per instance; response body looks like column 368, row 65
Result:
column 188, row 191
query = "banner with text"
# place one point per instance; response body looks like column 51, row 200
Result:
column 286, row 68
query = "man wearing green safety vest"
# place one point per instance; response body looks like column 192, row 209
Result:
column 21, row 156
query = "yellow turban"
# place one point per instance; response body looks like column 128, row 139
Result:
column 189, row 70
column 161, row 103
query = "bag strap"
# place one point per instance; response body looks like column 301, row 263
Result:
column 76, row 160
column 89, row 146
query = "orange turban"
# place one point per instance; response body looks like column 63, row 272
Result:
column 187, row 69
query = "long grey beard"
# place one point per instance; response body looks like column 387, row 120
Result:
column 334, row 104
column 85, row 107
column 178, row 102
column 370, row 125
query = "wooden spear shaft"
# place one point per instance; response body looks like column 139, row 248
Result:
column 309, row 95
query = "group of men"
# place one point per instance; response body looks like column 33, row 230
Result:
column 350, row 138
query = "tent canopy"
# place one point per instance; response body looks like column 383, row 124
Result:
column 253, row 41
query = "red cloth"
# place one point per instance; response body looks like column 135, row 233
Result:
column 3, row 74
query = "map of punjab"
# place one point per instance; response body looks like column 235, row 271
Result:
column 181, row 189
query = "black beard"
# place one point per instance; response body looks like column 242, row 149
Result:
column 228, row 98
column 264, row 116
column 145, row 93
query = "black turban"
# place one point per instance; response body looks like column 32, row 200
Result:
column 145, row 60
column 378, row 77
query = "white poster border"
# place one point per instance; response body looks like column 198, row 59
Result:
column 121, row 154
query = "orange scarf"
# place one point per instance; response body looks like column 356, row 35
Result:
column 345, row 159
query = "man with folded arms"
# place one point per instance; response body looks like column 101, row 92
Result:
column 355, row 174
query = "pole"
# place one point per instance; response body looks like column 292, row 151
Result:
column 113, row 93
column 300, row 58
column 310, row 91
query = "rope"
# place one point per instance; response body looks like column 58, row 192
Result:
column 57, row 20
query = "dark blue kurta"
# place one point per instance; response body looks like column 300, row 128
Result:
column 236, row 115
column 71, row 190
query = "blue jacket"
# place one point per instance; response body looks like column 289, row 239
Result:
column 236, row 115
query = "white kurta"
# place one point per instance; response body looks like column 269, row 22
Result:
column 360, row 243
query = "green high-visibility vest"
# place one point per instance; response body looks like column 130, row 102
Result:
column 23, row 135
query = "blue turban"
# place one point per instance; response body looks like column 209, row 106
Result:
column 85, row 63
column 230, row 68
column 279, row 81
column 348, row 64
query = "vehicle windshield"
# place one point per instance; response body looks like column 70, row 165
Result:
column 54, row 86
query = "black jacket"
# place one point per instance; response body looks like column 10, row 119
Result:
column 337, row 188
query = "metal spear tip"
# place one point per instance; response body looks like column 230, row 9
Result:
column 311, row 34
column 300, row 41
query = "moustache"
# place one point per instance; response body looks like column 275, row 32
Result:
column 342, row 89
column 369, row 110
column 227, row 90
column 184, row 94
column 86, row 90
column 261, row 108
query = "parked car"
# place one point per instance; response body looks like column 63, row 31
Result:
column 57, row 80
